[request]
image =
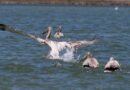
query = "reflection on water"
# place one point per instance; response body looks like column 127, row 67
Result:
column 23, row 67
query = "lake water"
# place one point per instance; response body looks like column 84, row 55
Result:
column 22, row 62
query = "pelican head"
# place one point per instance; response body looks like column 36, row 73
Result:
column 111, row 58
column 89, row 54
column 49, row 28
column 59, row 33
column 60, row 27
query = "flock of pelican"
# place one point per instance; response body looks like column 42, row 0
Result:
column 88, row 61
column 91, row 62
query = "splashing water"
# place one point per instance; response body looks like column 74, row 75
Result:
column 61, row 50
column 64, row 50
column 56, row 47
column 68, row 56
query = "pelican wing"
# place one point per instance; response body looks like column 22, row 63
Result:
column 4, row 27
column 78, row 44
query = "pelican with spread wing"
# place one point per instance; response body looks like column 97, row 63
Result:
column 55, row 46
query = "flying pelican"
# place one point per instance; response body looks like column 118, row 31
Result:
column 55, row 46
column 112, row 65
column 90, row 61
column 59, row 33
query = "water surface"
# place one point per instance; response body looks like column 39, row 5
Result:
column 23, row 67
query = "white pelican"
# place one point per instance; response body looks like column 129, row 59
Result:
column 59, row 33
column 55, row 46
column 112, row 65
column 90, row 61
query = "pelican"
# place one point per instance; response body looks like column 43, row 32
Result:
column 90, row 61
column 112, row 65
column 58, row 33
column 55, row 46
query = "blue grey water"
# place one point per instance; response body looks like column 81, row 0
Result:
column 22, row 62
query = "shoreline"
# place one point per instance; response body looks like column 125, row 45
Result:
column 95, row 5
column 67, row 3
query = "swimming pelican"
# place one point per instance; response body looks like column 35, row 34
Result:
column 90, row 61
column 55, row 46
column 112, row 65
column 59, row 33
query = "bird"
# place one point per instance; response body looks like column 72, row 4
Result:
column 90, row 61
column 112, row 65
column 55, row 46
column 59, row 33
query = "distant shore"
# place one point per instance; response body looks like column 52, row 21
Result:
column 70, row 2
